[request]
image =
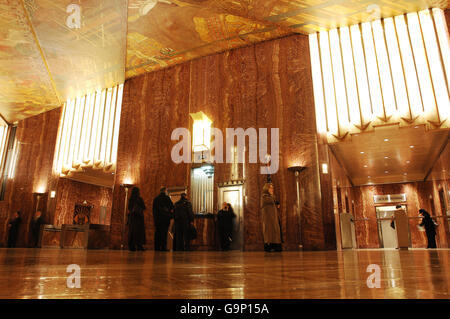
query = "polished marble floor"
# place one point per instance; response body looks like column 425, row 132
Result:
column 42, row 273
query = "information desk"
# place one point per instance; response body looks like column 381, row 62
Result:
column 205, row 224
column 50, row 236
column 89, row 236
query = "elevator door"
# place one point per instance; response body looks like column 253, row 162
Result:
column 234, row 196
column 387, row 234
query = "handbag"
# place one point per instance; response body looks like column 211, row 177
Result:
column 192, row 232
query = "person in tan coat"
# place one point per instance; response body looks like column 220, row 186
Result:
column 270, row 223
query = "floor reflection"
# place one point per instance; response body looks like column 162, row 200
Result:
column 42, row 273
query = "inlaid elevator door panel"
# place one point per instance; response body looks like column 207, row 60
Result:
column 234, row 196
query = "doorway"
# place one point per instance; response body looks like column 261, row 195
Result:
column 387, row 234
column 233, row 194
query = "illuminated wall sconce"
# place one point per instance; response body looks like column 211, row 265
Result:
column 127, row 188
column 38, row 198
column 52, row 194
column 324, row 168
column 201, row 140
column 297, row 170
column 89, row 132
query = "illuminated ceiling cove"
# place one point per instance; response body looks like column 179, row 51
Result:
column 51, row 51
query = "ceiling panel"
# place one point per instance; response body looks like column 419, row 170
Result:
column 44, row 60
column 26, row 86
column 163, row 33
column 84, row 54
column 390, row 154
column 306, row 16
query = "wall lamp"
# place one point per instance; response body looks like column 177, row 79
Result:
column 297, row 170
column 127, row 186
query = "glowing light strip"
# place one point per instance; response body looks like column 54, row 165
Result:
column 372, row 69
column 361, row 74
column 412, row 82
column 390, row 105
column 115, row 137
column 444, row 39
column 436, row 67
column 330, row 98
column 420, row 57
column 321, row 120
column 12, row 168
column 396, row 66
column 350, row 79
column 339, row 81
column 110, row 127
column 4, row 130
column 89, row 131
column 98, row 134
column 89, row 119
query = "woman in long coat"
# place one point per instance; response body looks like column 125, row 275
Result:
column 270, row 223
column 136, row 226
column 430, row 228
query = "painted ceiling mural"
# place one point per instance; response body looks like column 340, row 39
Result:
column 54, row 50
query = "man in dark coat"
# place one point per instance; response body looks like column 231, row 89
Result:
column 35, row 228
column 162, row 213
column 430, row 228
column 136, row 225
column 184, row 217
column 14, row 230
column 225, row 225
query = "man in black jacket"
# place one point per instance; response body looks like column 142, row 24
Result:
column 184, row 217
column 162, row 213
column 35, row 228
column 13, row 226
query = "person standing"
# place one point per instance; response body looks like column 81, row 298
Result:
column 430, row 228
column 184, row 217
column 270, row 221
column 13, row 226
column 136, row 226
column 35, row 228
column 225, row 224
column 162, row 214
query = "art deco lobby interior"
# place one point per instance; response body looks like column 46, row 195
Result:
column 352, row 97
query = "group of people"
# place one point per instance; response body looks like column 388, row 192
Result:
column 181, row 212
column 35, row 227
column 184, row 231
column 163, row 211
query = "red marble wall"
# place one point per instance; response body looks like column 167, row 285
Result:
column 267, row 85
column 70, row 192
column 37, row 138
column 153, row 105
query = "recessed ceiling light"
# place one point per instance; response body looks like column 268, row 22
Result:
column 386, row 172
column 386, row 157
column 365, row 165
column 362, row 152
column 411, row 146
column 405, row 174
column 386, row 140
column 407, row 162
